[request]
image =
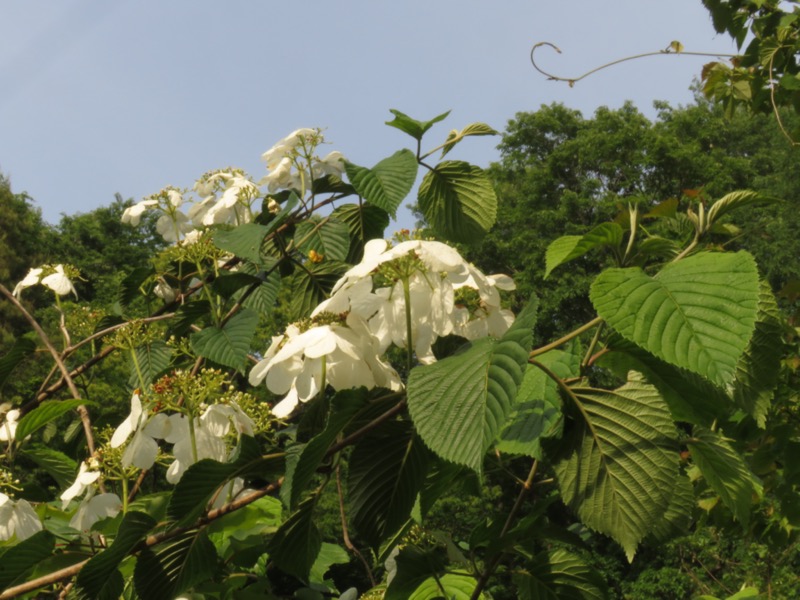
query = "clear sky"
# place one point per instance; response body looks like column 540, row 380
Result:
column 130, row 96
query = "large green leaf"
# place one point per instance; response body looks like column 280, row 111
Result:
column 227, row 345
column 328, row 237
column 329, row 555
column 166, row 570
column 459, row 404
column 537, row 407
column 151, row 360
column 99, row 579
column 311, row 284
column 57, row 464
column 569, row 247
column 228, row 283
column 387, row 183
column 619, row 461
column 17, row 561
column 559, row 575
column 698, row 313
column 46, row 412
column 409, row 569
column 23, row 347
column 412, row 127
column 452, row 586
column 458, row 201
column 678, row 517
column 130, row 287
column 759, row 367
column 386, row 471
column 725, row 472
column 295, row 546
column 262, row 299
column 186, row 316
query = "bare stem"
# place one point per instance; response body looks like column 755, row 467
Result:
column 345, row 534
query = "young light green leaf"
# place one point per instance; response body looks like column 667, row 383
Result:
column 698, row 313
column 386, row 471
column 387, row 183
column 559, row 575
column 152, row 359
column 459, row 404
column 456, row 136
column 163, row 572
column 47, row 411
column 100, row 579
column 725, row 472
column 412, row 127
column 732, row 201
column 569, row 247
column 327, row 236
column 618, row 463
column 458, row 200
column 227, row 345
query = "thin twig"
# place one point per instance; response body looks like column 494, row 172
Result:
column 345, row 534
column 563, row 340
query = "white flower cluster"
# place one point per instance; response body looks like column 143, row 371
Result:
column 56, row 279
column 8, row 428
column 417, row 285
column 227, row 196
column 17, row 518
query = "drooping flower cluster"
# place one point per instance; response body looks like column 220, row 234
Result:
column 408, row 294
column 55, row 277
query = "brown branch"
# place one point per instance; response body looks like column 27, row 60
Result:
column 345, row 534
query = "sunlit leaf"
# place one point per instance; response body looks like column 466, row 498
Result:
column 570, row 247
column 227, row 345
column 387, row 183
column 412, row 127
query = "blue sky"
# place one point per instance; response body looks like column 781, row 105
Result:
column 123, row 96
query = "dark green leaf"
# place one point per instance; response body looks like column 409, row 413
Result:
column 243, row 241
column 23, row 346
column 227, row 284
column 678, row 517
column 329, row 555
column 151, row 360
column 311, row 285
column 57, row 464
column 327, row 237
column 386, row 471
column 187, row 315
column 387, row 183
column 229, row 344
column 130, row 288
column 174, row 566
column 364, row 222
column 458, row 200
column 559, row 575
column 99, row 579
column 17, row 561
column 412, row 567
column 295, row 546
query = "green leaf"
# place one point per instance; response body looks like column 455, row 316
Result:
column 759, row 367
column 229, row 344
column 657, row 247
column 537, row 407
column 328, row 237
column 569, row 247
column 152, row 360
column 295, row 546
column 690, row 398
column 386, row 472
column 23, row 347
column 227, row 284
column 460, row 403
column 559, row 575
column 387, row 183
column 130, row 288
column 458, row 200
column 47, row 411
column 456, row 136
column 412, row 567
column 455, row 586
column 725, row 472
column 17, row 561
column 311, row 285
column 364, row 222
column 346, row 405
column 678, row 517
column 197, row 486
column 166, row 570
column 734, row 200
column 243, row 241
column 57, row 464
column 186, row 316
column 329, row 555
column 619, row 461
column 698, row 313
column 99, row 579
column 412, row 127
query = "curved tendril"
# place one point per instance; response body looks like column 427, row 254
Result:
column 669, row 50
